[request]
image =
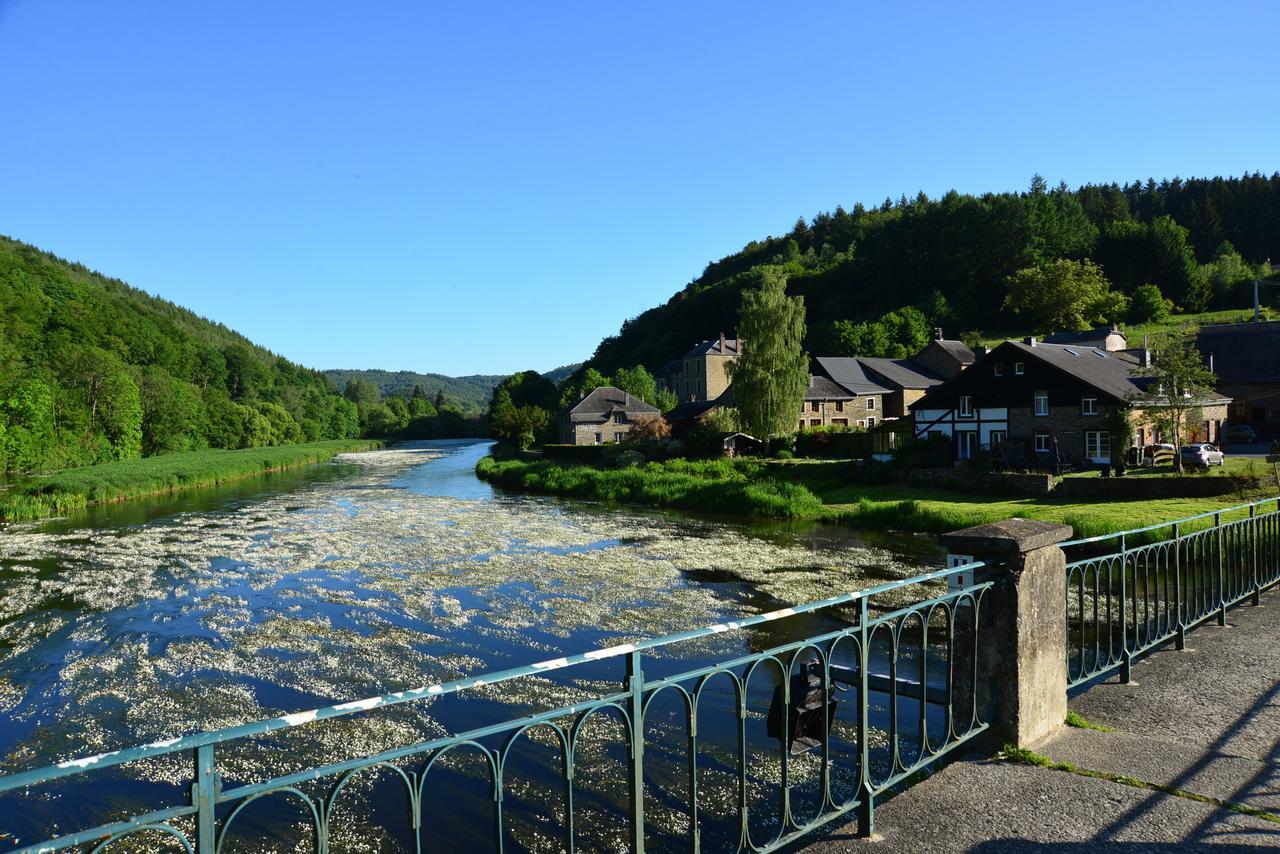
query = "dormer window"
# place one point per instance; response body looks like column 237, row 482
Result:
column 966, row 406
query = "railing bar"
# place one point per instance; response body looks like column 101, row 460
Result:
column 95, row 834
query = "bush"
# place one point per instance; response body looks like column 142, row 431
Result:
column 628, row 459
column 783, row 454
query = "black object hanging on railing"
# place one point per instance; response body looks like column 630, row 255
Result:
column 805, row 725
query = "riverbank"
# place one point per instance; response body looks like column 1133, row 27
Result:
column 825, row 491
column 75, row 489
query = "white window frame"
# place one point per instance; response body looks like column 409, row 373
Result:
column 999, row 437
column 1019, row 368
column 599, row 438
column 1095, row 442
column 1048, row 442
column 965, row 408
column 871, row 421
column 619, row 437
column 1035, row 406
column 1088, row 405
column 998, row 368
column 871, row 404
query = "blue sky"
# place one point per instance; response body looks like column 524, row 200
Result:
column 483, row 188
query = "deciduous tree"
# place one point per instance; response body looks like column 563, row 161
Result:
column 770, row 378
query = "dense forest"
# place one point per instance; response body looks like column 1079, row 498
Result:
column 93, row 370
column 875, row 280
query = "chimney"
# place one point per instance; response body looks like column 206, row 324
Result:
column 739, row 346
column 1030, row 341
column 626, row 398
column 722, row 350
column 937, row 333
column 1144, row 356
column 980, row 351
column 1210, row 363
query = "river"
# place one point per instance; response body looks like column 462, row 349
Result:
column 378, row 572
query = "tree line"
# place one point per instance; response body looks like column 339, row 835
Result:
column 875, row 280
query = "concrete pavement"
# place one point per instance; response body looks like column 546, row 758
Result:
column 1204, row 722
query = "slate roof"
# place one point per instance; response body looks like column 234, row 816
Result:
column 604, row 401
column 850, row 374
column 957, row 349
column 903, row 373
column 1113, row 373
column 822, row 388
column 1243, row 352
column 712, row 348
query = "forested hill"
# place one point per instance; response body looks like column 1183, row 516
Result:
column 94, row 370
column 950, row 261
column 470, row 393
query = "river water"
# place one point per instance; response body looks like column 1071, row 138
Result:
column 379, row 572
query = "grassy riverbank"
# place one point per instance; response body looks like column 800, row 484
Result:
column 824, row 491
column 74, row 489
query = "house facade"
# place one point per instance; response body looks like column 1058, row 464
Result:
column 701, row 374
column 1035, row 404
column 830, row 404
column 1246, row 359
column 604, row 415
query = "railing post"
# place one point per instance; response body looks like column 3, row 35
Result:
column 1126, row 656
column 1253, row 553
column 1179, row 604
column 635, row 710
column 866, row 798
column 1021, row 637
column 204, row 796
column 1222, row 575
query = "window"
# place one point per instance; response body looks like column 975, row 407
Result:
column 815, row 422
column 1042, row 403
column 999, row 369
column 1089, row 406
column 840, row 422
column 966, row 406
column 871, row 404
column 813, row 406
column 998, row 437
column 619, row 418
column 619, row 436
column 1042, row 443
column 871, row 421
column 599, row 438
column 1019, row 368
column 1097, row 446
column 839, row 406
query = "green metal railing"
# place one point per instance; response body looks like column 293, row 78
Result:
column 1123, row 604
column 906, row 651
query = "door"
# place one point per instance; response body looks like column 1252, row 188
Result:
column 967, row 444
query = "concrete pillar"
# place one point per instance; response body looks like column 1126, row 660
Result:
column 1021, row 631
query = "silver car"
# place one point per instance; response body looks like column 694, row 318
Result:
column 1202, row 456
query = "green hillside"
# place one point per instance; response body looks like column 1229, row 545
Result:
column 92, row 370
column 470, row 394
column 875, row 281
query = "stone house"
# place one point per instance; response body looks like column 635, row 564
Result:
column 702, row 373
column 943, row 357
column 1037, row 404
column 829, row 403
column 604, row 415
column 900, row 382
column 1246, row 358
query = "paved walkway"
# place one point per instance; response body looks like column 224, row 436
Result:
column 1204, row 721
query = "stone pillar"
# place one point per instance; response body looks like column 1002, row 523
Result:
column 1021, row 631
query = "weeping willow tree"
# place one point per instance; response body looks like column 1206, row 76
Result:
column 770, row 378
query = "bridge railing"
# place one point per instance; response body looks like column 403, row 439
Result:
column 905, row 653
column 1155, row 584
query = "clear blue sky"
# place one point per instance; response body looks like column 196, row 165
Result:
column 467, row 188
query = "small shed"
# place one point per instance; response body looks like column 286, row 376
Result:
column 741, row 444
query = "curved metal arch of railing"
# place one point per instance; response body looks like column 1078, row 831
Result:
column 1122, row 605
column 784, row 658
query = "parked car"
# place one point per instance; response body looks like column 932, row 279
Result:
column 1202, row 456
column 1241, row 433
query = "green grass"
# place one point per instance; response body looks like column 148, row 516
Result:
column 1243, row 468
column 74, row 489
column 823, row 490
column 1135, row 332
column 731, row 487
column 1079, row 721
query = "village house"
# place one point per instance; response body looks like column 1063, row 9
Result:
column 701, row 374
column 855, row 402
column 1246, row 358
column 1027, row 402
column 604, row 415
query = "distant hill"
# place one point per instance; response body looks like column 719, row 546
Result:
column 93, row 370
column 470, row 393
